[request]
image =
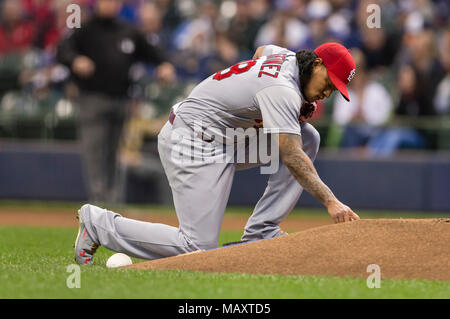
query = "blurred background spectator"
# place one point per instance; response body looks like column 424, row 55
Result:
column 400, row 94
column 368, row 110
column 100, row 55
column 441, row 99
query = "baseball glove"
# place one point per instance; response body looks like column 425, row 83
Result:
column 307, row 110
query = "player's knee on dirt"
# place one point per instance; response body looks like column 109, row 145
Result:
column 256, row 233
column 204, row 241
column 196, row 244
column 206, row 246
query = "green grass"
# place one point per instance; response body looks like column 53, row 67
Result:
column 34, row 260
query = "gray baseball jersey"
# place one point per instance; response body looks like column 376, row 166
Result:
column 265, row 89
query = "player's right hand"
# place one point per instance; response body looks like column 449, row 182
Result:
column 341, row 213
column 83, row 66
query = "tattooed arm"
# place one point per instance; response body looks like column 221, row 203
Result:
column 301, row 166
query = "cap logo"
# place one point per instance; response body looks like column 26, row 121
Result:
column 351, row 75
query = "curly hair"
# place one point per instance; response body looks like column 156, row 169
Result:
column 305, row 62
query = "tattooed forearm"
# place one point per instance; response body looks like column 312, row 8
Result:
column 301, row 166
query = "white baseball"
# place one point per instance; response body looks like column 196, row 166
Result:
column 118, row 260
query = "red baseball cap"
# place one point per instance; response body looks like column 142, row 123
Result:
column 339, row 63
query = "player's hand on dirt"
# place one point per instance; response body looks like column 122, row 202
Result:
column 165, row 73
column 83, row 66
column 341, row 213
column 306, row 111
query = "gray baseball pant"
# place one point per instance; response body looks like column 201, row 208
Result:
column 200, row 193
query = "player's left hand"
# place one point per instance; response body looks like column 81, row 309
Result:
column 306, row 111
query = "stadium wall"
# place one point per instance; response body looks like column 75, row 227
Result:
column 420, row 182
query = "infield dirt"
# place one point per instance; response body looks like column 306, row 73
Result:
column 403, row 248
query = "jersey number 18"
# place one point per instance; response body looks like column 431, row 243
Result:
column 238, row 68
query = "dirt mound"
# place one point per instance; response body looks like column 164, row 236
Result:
column 403, row 248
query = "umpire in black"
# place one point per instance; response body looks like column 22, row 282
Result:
column 100, row 55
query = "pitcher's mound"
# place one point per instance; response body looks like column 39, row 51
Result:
column 403, row 248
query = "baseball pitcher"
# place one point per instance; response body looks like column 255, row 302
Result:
column 269, row 97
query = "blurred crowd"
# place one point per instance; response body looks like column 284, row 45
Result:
column 403, row 67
